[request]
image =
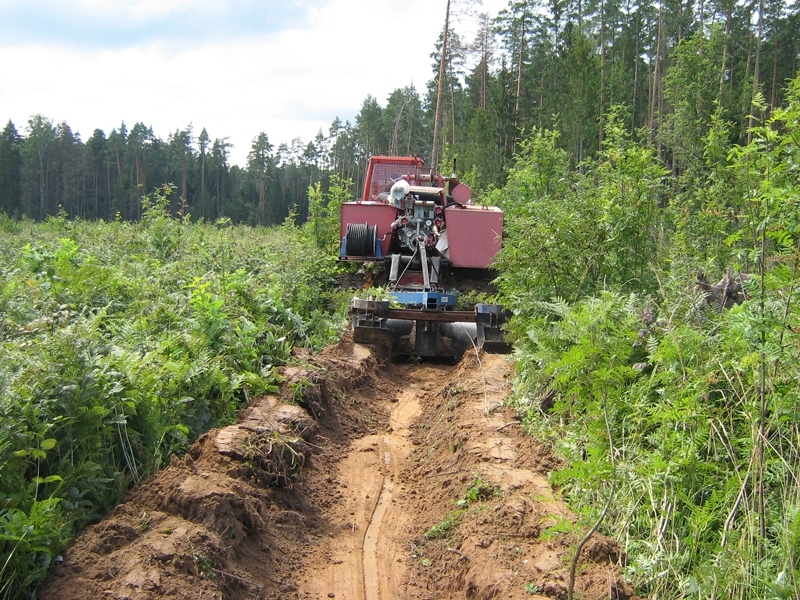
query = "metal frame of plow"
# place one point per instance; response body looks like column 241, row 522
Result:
column 371, row 324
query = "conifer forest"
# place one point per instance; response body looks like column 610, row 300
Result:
column 647, row 158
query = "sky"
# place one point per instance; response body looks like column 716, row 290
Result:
column 235, row 67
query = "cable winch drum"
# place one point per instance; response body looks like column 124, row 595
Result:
column 360, row 239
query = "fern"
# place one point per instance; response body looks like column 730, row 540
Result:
column 124, row 342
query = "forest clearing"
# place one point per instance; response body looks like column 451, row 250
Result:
column 662, row 414
column 638, row 402
column 184, row 412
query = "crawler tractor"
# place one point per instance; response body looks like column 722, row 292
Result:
column 429, row 244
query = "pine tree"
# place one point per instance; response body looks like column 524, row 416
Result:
column 10, row 170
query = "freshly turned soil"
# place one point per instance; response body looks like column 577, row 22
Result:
column 330, row 495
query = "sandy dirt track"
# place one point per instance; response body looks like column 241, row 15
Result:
column 387, row 480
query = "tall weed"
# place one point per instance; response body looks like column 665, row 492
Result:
column 121, row 344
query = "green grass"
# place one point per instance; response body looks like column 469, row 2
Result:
column 445, row 528
column 121, row 343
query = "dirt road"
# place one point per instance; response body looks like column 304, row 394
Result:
column 390, row 481
column 365, row 556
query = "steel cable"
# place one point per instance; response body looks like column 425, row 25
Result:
column 360, row 239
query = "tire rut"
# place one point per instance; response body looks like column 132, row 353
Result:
column 365, row 562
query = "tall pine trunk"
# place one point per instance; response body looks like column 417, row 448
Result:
column 725, row 51
column 655, row 88
column 635, row 78
column 203, row 185
column 602, row 70
column 756, row 67
column 520, row 60
column 437, row 122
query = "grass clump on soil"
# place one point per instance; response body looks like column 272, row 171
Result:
column 445, row 528
column 478, row 491
column 121, row 344
column 276, row 458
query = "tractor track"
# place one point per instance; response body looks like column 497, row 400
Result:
column 391, row 448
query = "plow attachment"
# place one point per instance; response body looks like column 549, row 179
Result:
column 426, row 328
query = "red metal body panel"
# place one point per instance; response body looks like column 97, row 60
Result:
column 461, row 193
column 474, row 235
column 411, row 278
column 372, row 213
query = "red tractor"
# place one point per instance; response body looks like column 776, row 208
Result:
column 433, row 244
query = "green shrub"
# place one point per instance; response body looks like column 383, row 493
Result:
column 121, row 344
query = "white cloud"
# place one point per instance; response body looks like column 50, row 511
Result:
column 147, row 9
column 288, row 85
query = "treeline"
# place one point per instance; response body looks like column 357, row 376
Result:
column 48, row 168
column 549, row 65
column 563, row 65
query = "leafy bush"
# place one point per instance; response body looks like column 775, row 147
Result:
column 324, row 210
column 121, row 344
column 569, row 234
column 701, row 403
